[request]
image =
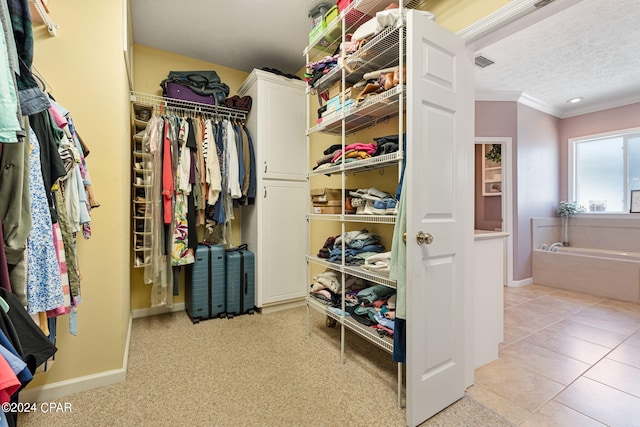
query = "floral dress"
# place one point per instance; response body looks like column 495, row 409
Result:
column 181, row 253
column 44, row 286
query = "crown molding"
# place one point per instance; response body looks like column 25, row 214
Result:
column 512, row 17
column 520, row 98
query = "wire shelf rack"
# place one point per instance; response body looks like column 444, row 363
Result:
column 169, row 104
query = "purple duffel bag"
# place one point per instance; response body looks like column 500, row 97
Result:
column 178, row 91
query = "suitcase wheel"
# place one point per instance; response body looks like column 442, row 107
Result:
column 230, row 316
column 331, row 322
column 251, row 311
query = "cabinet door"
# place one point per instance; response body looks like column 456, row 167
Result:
column 282, row 142
column 439, row 202
column 284, row 241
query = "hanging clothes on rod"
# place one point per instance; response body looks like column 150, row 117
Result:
column 194, row 162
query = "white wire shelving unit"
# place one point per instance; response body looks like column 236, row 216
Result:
column 385, row 50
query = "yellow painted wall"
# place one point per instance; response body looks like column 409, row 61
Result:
column 455, row 15
column 84, row 66
column 150, row 67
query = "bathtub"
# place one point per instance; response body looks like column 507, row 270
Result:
column 608, row 273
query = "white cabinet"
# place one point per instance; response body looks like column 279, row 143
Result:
column 276, row 121
column 488, row 293
column 274, row 227
column 434, row 106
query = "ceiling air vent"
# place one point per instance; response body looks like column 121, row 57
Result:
column 483, row 62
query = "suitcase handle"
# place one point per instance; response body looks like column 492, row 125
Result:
column 243, row 246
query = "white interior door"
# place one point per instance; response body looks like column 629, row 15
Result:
column 439, row 189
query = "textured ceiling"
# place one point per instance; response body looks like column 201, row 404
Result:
column 590, row 49
column 241, row 34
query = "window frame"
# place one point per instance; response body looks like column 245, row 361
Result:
column 571, row 170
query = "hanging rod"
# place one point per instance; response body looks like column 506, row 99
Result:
column 187, row 106
column 42, row 10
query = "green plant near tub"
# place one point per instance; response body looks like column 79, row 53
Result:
column 566, row 210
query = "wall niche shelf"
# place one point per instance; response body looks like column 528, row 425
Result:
column 491, row 174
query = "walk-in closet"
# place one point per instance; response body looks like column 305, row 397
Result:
column 321, row 176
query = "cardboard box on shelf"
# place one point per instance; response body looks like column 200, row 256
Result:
column 325, row 195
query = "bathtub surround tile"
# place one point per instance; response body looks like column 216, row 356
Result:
column 576, row 348
column 617, row 375
column 601, row 402
column 554, row 414
column 587, row 274
column 544, row 362
column 589, row 333
column 520, row 386
column 508, row 409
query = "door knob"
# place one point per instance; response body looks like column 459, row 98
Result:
column 423, row 238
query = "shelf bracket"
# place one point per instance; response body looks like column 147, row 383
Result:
column 44, row 16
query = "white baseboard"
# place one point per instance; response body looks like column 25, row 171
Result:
column 60, row 389
column 152, row 311
column 265, row 309
column 520, row 283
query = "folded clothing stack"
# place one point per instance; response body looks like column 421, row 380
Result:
column 371, row 201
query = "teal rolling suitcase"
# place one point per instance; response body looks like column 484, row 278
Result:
column 240, row 279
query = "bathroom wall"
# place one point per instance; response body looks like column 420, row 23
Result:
column 537, row 189
column 494, row 119
column 535, row 173
column 613, row 119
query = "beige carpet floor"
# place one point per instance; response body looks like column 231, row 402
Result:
column 252, row 370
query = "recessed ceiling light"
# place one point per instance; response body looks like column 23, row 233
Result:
column 575, row 100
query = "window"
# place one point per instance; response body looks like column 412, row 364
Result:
column 603, row 169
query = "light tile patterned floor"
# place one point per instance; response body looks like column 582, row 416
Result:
column 568, row 359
